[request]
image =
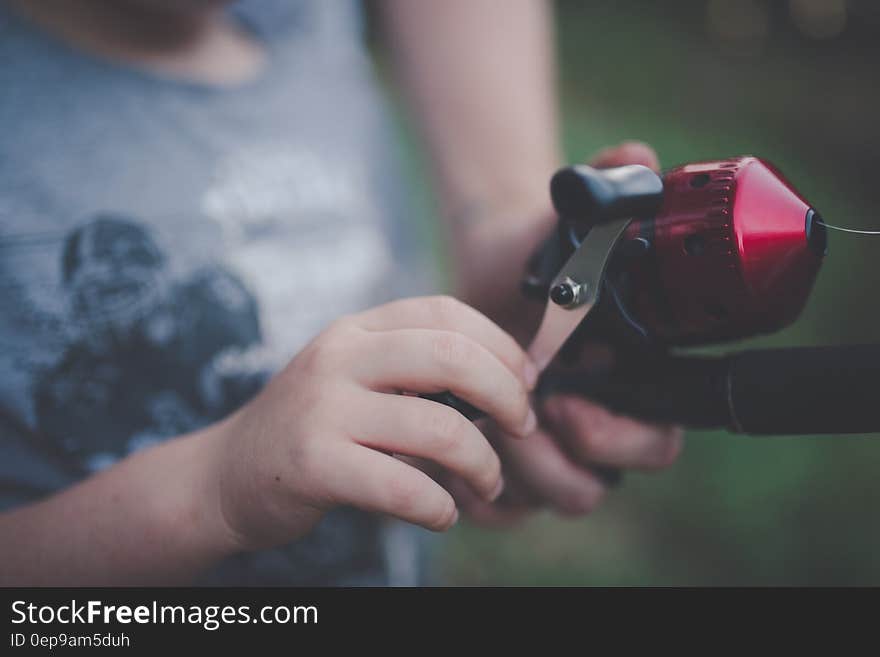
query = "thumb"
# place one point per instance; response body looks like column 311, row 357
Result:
column 628, row 152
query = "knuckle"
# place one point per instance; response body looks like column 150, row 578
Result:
column 447, row 430
column 310, row 359
column 450, row 350
column 326, row 354
column 450, row 432
column 340, row 326
column 443, row 306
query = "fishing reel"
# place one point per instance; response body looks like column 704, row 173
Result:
column 713, row 250
column 706, row 253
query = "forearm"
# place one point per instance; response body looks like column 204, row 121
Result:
column 480, row 76
column 153, row 518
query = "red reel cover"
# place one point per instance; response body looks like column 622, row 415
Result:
column 736, row 252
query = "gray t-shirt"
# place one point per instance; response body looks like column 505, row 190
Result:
column 165, row 246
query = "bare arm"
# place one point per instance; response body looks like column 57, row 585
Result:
column 151, row 519
column 480, row 75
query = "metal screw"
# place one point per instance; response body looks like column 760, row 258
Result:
column 569, row 293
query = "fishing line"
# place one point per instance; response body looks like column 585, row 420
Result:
column 855, row 231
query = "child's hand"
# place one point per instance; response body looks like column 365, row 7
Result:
column 324, row 430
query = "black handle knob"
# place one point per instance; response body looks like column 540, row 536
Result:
column 583, row 194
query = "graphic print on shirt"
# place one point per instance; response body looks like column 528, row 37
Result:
column 142, row 364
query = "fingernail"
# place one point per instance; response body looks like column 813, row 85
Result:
column 454, row 520
column 499, row 488
column 531, row 424
column 530, row 373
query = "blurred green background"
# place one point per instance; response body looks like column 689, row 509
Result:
column 794, row 81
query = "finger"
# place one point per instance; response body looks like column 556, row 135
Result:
column 516, row 494
column 379, row 483
column 551, row 475
column 628, row 152
column 425, row 360
column 450, row 314
column 481, row 512
column 595, row 435
column 422, row 428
